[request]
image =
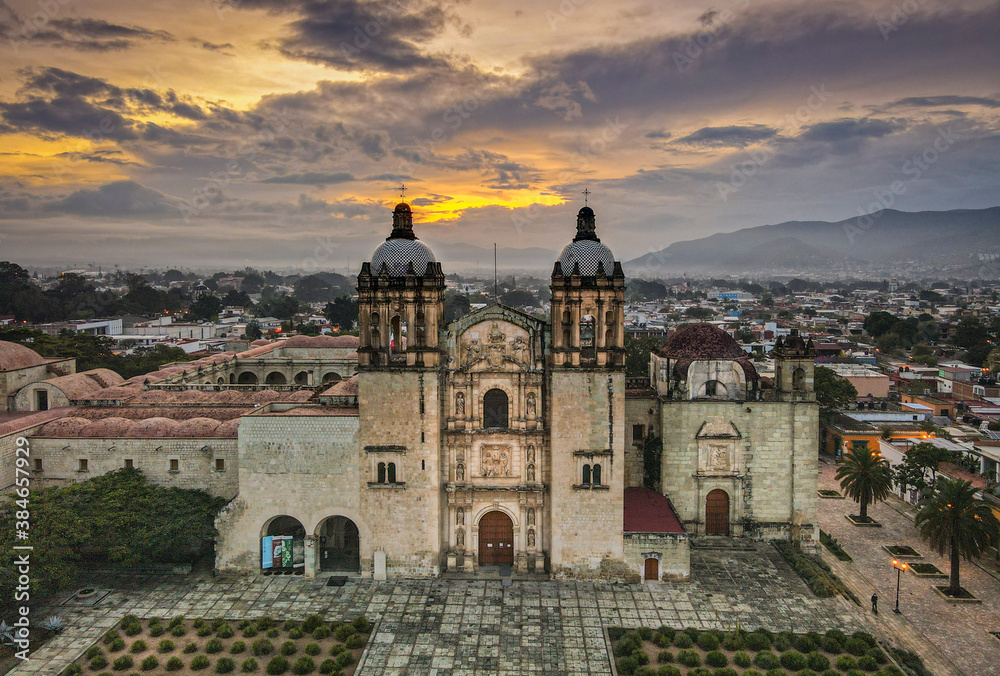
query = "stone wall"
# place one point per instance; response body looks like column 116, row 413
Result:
column 671, row 551
column 772, row 452
column 637, row 412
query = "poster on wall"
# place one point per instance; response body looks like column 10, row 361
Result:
column 278, row 551
column 299, row 553
column 286, row 551
column 267, row 552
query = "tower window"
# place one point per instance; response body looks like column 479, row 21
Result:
column 391, row 472
column 495, row 409
column 799, row 379
column 380, row 474
column 586, row 475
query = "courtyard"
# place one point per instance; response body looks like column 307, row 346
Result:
column 470, row 626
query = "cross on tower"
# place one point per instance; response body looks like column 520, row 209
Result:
column 586, row 196
column 402, row 192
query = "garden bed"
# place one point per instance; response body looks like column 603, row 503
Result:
column 867, row 522
column 926, row 570
column 689, row 652
column 830, row 494
column 815, row 572
column 963, row 596
column 262, row 647
column 834, row 546
column 903, row 551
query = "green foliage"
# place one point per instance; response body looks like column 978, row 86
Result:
column 867, row 663
column 191, row 648
column 831, row 543
column 832, row 391
column 715, row 658
column 832, row 645
column 165, row 646
column 200, row 662
column 149, row 663
column 261, row 647
column 627, row 665
column 156, row 630
column 615, row 633
column 668, row 671
column 122, row 663
column 742, row 659
column 846, row 662
column 865, row 477
column 288, row 648
column 224, row 665
column 92, row 652
column 766, row 660
column 98, row 663
column 237, row 647
column 327, row 667
column 303, row 665
column 803, row 644
column 249, row 665
column 683, row 640
column 793, row 660
column 689, row 658
column 665, row 657
column 296, row 633
column 138, row 646
column 312, row 649
column 343, row 631
column 214, row 646
column 757, row 641
column 278, row 665
column 321, row 633
column 818, row 661
column 344, row 660
column 205, row 630
column 224, row 631
column 175, row 664
column 637, row 352
column 116, row 645
column 708, row 641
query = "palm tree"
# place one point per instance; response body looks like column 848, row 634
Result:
column 865, row 476
column 953, row 519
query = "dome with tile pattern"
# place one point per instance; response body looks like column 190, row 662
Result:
column 402, row 249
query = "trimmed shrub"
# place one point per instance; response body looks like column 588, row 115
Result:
column 274, row 632
column 296, row 633
column 665, row 657
column 213, row 646
column 131, row 628
column 200, row 662
column 312, row 649
column 288, row 648
column 639, row 655
column 261, row 647
column 310, row 623
column 752, row 672
column 708, row 641
column 249, row 665
column 807, row 672
column 328, row 667
column 150, row 663
column 178, row 630
column 626, row 665
column 890, row 670
column 73, row 669
column 344, row 659
column 176, row 621
column 856, row 646
column 343, row 631
column 165, row 646
column 337, row 648
column 846, row 662
column 804, row 644
column 320, row 633
column 866, row 637
column 362, row 624
column 734, row 640
column 122, row 663
column 198, row 623
column 777, row 672
column 726, row 671
column 716, row 659
column 782, row 641
column 879, row 656
column 867, row 663
column 278, row 665
column 817, row 661
column 224, row 631
column 683, row 640
column 668, row 671
column 116, row 645
column 614, row 633
column 757, row 641
column 237, row 647
column 645, row 671
column 224, row 665
column 191, row 648
column 205, row 630
column 742, row 659
column 793, row 660
column 289, row 625
column 250, row 631
column 766, row 660
column 175, row 664
column 98, row 663
column 303, row 665
column 264, row 623
column 138, row 646
column 832, row 645
column 157, row 630
column 689, row 658
column 357, row 641
column 645, row 633
column 93, row 651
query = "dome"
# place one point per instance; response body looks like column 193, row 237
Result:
column 152, row 428
column 63, row 427
column 14, row 356
column 702, row 341
column 196, row 428
column 107, row 428
column 227, row 429
column 398, row 254
column 590, row 255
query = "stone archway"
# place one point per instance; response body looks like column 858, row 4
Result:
column 275, row 378
column 247, row 378
column 283, row 546
column 717, row 513
column 338, row 545
column 496, row 539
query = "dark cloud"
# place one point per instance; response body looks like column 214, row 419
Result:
column 734, row 136
column 658, row 134
column 848, row 130
column 118, row 199
column 312, row 178
column 80, row 34
column 943, row 100
column 68, row 115
column 225, row 47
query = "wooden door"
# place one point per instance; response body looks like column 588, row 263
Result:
column 652, row 569
column 496, row 539
column 717, row 513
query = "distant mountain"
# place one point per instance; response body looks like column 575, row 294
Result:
column 964, row 242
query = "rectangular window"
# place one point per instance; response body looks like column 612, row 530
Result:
column 42, row 399
column 175, row 465
column 859, row 445
column 638, row 434
column 220, row 465
column 129, row 464
column 38, row 464
column 84, row 463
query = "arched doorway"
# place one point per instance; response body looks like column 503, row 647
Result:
column 338, row 545
column 651, row 570
column 282, row 546
column 496, row 539
column 302, row 378
column 717, row 513
column 275, row 378
column 495, row 410
column 248, row 378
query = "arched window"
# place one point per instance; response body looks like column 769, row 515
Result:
column 714, row 388
column 596, row 475
column 391, row 474
column 381, row 472
column 397, row 335
column 495, row 409
column 799, row 379
column 586, row 475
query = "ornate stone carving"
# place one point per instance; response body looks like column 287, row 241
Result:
column 530, row 405
column 460, row 538
column 531, row 538
column 495, row 460
column 460, row 516
column 718, row 458
column 531, row 516
column 460, row 405
column 531, row 473
column 531, row 454
column 460, row 472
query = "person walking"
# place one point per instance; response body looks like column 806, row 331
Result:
column 875, row 603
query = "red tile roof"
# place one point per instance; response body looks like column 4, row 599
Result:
column 647, row 511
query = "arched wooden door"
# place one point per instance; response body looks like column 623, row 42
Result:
column 496, row 539
column 652, row 571
column 717, row 513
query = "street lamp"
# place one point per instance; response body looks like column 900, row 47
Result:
column 900, row 566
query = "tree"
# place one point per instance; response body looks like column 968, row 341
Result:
column 205, row 307
column 456, row 305
column 699, row 312
column 637, row 355
column 519, row 298
column 342, row 313
column 281, row 307
column 865, row 477
column 253, row 331
column 832, row 391
column 234, row 298
column 954, row 520
column 652, row 461
column 912, row 472
column 878, row 323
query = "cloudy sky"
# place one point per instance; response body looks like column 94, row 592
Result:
column 274, row 132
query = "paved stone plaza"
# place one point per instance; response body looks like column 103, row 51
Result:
column 960, row 631
column 475, row 627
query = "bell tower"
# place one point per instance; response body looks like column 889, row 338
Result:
column 794, row 369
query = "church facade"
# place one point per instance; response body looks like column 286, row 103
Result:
column 424, row 448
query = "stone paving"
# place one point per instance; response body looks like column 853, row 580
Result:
column 473, row 627
column 960, row 631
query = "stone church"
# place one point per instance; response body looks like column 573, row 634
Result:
column 425, row 448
